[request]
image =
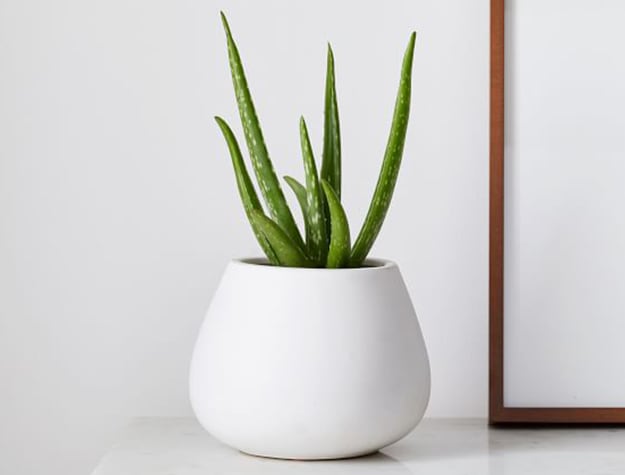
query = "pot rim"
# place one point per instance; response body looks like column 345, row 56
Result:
column 372, row 264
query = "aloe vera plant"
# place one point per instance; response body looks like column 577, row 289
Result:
column 327, row 241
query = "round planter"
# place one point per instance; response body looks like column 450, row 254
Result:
column 310, row 363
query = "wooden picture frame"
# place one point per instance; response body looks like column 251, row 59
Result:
column 499, row 413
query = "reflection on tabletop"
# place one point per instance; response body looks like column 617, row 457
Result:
column 179, row 446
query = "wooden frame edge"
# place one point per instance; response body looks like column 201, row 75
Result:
column 496, row 202
column 558, row 415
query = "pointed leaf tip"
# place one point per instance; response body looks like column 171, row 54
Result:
column 224, row 22
column 411, row 42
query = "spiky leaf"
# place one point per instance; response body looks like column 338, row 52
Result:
column 390, row 166
column 331, row 160
column 246, row 188
column 288, row 253
column 263, row 168
column 338, row 253
column 317, row 247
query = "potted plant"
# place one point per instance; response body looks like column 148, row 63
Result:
column 315, row 351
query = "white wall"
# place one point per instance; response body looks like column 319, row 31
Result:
column 118, row 208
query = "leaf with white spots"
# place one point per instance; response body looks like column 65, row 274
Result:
column 288, row 253
column 246, row 188
column 331, row 158
column 390, row 166
column 263, row 168
column 300, row 193
column 317, row 247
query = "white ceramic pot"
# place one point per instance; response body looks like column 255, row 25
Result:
column 310, row 363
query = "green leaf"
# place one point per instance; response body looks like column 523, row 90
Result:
column 300, row 193
column 317, row 247
column 289, row 254
column 246, row 188
column 331, row 159
column 263, row 168
column 338, row 254
column 390, row 166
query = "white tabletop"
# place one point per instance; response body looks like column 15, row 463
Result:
column 167, row 446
